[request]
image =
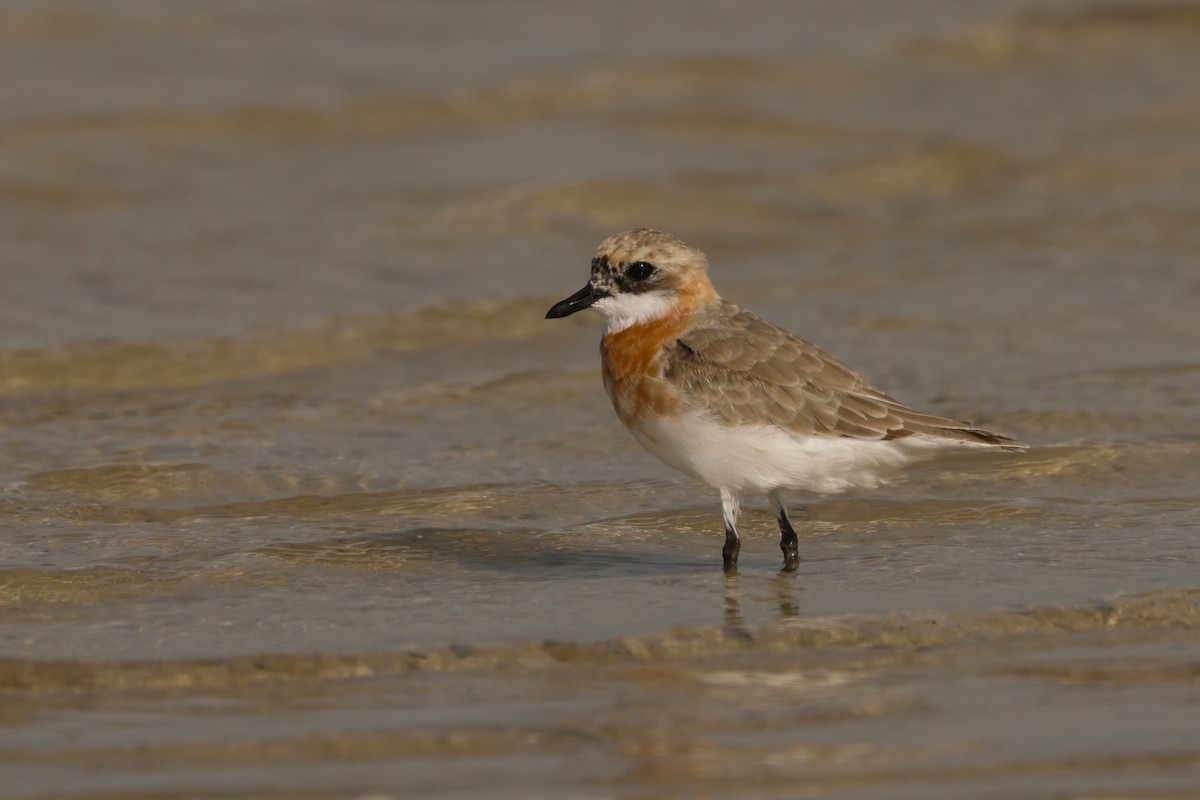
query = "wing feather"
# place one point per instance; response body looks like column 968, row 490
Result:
column 742, row 369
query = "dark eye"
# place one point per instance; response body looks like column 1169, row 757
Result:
column 640, row 270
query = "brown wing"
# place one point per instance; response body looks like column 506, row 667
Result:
column 744, row 369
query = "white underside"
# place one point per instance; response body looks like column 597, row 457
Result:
column 765, row 458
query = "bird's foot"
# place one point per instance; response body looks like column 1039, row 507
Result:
column 790, row 545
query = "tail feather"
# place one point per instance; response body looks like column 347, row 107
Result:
column 942, row 428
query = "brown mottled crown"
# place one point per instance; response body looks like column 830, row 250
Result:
column 676, row 265
column 657, row 247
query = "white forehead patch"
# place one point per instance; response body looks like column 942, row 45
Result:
column 624, row 310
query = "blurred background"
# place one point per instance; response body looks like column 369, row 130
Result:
column 300, row 496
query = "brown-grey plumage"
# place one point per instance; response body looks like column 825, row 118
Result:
column 743, row 369
column 728, row 398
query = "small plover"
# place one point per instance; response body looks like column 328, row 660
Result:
column 731, row 400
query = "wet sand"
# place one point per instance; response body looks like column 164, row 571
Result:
column 301, row 497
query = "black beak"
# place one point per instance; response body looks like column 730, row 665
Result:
column 582, row 299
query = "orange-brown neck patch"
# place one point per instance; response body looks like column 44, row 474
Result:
column 630, row 359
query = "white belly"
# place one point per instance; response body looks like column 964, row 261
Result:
column 764, row 458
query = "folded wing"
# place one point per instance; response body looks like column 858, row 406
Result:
column 742, row 369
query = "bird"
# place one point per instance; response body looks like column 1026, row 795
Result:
column 725, row 397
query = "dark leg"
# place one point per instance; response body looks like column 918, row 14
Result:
column 732, row 545
column 788, row 543
column 730, row 506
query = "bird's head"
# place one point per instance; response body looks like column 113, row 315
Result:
column 639, row 276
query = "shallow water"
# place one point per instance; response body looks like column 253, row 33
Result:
column 301, row 497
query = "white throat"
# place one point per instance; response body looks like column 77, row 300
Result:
column 622, row 311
